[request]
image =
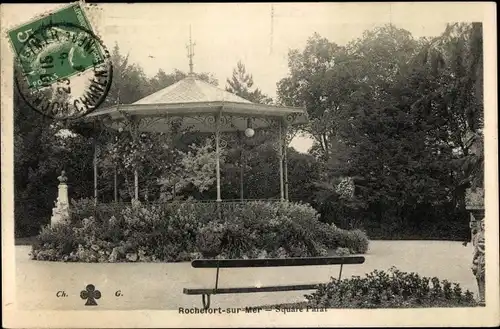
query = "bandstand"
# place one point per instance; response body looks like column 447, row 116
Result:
column 202, row 107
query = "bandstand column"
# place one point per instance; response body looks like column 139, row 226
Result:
column 282, row 195
column 285, row 160
column 135, row 129
column 242, row 174
column 217, row 154
column 115, row 181
column 136, row 184
column 136, row 171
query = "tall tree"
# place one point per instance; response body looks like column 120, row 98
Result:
column 372, row 119
column 454, row 64
column 320, row 81
column 42, row 148
column 130, row 83
column 241, row 84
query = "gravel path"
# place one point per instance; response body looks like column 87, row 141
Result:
column 156, row 286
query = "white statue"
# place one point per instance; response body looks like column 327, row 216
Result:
column 61, row 210
column 478, row 268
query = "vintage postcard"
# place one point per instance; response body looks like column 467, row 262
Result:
column 249, row 165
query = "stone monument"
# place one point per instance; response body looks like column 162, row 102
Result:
column 61, row 210
column 475, row 205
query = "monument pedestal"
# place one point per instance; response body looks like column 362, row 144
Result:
column 60, row 212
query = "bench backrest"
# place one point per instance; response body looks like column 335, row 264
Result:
column 276, row 262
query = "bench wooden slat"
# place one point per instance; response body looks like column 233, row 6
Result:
column 275, row 262
column 239, row 290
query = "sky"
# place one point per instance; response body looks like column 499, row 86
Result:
column 155, row 35
column 225, row 34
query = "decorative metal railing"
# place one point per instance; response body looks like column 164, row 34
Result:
column 210, row 208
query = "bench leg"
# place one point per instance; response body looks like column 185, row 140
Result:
column 205, row 298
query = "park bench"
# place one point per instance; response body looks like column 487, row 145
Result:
column 272, row 262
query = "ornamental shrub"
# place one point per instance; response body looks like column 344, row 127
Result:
column 181, row 231
column 81, row 208
column 55, row 243
column 392, row 289
column 209, row 238
column 356, row 241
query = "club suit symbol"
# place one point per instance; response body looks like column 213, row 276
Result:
column 90, row 294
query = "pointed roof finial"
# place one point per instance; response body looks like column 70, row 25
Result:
column 190, row 49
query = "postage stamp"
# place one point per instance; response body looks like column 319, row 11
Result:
column 63, row 69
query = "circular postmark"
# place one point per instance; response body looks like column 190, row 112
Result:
column 64, row 71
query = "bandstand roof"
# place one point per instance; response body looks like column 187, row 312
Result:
column 190, row 90
column 196, row 102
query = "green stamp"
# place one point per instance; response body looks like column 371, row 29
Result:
column 64, row 23
column 55, row 52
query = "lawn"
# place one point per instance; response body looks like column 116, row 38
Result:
column 158, row 286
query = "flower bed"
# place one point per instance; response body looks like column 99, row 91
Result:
column 381, row 289
column 190, row 230
column 392, row 289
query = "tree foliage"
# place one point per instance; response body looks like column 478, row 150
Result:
column 241, row 84
column 193, row 169
column 400, row 116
